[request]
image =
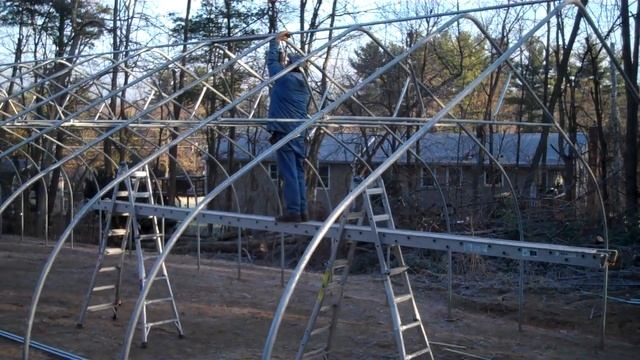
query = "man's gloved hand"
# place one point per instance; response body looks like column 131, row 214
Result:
column 283, row 35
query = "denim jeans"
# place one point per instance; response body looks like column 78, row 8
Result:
column 291, row 169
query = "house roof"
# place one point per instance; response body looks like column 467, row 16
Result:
column 444, row 148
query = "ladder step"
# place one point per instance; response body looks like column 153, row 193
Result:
column 117, row 232
column 155, row 301
column 139, row 174
column 315, row 353
column 161, row 322
column 108, row 269
column 381, row 217
column 112, row 251
column 141, row 195
column 340, row 263
column 403, row 298
column 104, row 287
column 355, row 215
column 326, row 308
column 149, row 236
column 398, row 270
column 320, row 330
column 410, row 325
column 122, row 193
column 100, row 307
column 375, row 191
column 418, row 353
column 161, row 277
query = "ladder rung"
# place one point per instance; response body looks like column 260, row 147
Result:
column 355, row 215
column 340, row 263
column 117, row 232
column 139, row 174
column 140, row 195
column 122, row 193
column 381, row 217
column 104, row 287
column 314, row 353
column 398, row 270
column 161, row 322
column 155, row 301
column 326, row 308
column 418, row 353
column 108, row 269
column 403, row 298
column 149, row 236
column 320, row 330
column 100, row 307
column 410, row 325
column 374, row 191
column 150, row 257
column 112, row 251
column 161, row 277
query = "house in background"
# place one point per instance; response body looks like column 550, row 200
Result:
column 462, row 174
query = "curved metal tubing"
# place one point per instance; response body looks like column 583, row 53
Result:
column 440, row 116
column 343, row 27
column 46, row 195
column 17, row 175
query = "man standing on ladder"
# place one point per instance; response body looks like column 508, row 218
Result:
column 289, row 99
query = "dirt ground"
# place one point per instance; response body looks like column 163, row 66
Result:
column 227, row 318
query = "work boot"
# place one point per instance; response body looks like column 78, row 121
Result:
column 304, row 217
column 288, row 218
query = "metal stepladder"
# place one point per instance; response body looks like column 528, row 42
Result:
column 143, row 230
column 405, row 316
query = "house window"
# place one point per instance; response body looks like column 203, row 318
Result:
column 427, row 179
column 325, row 175
column 273, row 172
column 492, row 177
column 454, row 177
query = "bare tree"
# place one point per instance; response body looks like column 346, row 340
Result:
column 630, row 62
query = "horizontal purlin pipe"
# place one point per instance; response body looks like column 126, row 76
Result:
column 511, row 249
column 342, row 27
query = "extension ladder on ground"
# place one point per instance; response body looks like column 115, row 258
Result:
column 374, row 200
column 145, row 230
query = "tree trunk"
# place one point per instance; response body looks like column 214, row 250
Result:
column 177, row 109
column 630, row 63
column 556, row 95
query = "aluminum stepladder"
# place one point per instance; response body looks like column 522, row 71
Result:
column 321, row 327
column 106, row 264
column 147, row 231
column 390, row 275
column 144, row 230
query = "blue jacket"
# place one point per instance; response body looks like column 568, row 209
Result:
column 289, row 99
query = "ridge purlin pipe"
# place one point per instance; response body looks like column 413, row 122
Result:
column 288, row 292
column 341, row 27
